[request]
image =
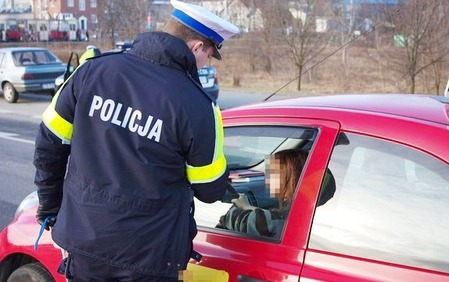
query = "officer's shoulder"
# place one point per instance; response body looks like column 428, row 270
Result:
column 109, row 53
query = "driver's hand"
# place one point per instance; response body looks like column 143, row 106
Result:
column 242, row 202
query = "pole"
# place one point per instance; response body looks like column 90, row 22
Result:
column 446, row 91
column 226, row 9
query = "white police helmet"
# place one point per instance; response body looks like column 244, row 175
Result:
column 204, row 22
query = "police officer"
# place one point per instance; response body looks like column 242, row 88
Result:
column 91, row 51
column 123, row 148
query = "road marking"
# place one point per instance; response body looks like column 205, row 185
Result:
column 11, row 136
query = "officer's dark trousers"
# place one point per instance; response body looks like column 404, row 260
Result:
column 84, row 269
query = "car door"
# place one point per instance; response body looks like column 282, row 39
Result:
column 248, row 141
column 388, row 219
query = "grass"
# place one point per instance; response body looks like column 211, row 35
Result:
column 367, row 70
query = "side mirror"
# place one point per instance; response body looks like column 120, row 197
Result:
column 71, row 67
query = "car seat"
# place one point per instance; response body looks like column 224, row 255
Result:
column 25, row 61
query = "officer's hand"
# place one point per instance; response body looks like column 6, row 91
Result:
column 47, row 216
column 48, row 221
column 229, row 194
column 243, row 203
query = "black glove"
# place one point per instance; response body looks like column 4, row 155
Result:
column 46, row 215
column 51, row 220
column 230, row 194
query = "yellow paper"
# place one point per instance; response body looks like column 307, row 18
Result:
column 198, row 273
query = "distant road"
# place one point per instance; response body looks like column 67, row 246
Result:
column 231, row 98
column 17, row 133
column 28, row 106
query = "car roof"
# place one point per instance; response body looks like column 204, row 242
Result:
column 416, row 106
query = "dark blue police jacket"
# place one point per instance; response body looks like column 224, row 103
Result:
column 140, row 138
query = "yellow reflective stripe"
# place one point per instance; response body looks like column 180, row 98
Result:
column 210, row 172
column 219, row 140
column 57, row 124
column 207, row 173
column 54, row 122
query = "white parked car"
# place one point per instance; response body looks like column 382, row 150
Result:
column 28, row 69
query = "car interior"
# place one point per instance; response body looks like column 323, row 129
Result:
column 247, row 150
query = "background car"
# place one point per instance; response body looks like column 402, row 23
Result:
column 209, row 80
column 384, row 219
column 28, row 69
column 123, row 45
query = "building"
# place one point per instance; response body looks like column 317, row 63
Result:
column 84, row 12
column 47, row 20
column 19, row 6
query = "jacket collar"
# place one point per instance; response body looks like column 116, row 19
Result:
column 165, row 49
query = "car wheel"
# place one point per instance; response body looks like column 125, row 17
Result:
column 10, row 93
column 35, row 272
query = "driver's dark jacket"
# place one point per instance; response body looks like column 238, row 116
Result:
column 138, row 145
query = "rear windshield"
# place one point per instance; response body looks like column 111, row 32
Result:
column 34, row 57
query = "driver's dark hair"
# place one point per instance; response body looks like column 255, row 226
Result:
column 175, row 28
column 292, row 162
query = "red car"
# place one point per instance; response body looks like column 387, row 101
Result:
column 13, row 34
column 371, row 203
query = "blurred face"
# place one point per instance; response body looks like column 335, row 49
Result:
column 273, row 174
column 202, row 53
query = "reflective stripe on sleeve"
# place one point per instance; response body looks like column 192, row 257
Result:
column 57, row 124
column 210, row 172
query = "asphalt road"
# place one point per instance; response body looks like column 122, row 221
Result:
column 18, row 126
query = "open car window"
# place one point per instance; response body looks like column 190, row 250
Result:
column 247, row 149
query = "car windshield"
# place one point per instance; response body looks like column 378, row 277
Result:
column 34, row 57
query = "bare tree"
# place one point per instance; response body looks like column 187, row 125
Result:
column 276, row 19
column 122, row 19
column 306, row 37
column 423, row 30
column 343, row 29
column 135, row 17
column 438, row 47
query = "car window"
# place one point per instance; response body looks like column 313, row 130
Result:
column 33, row 57
column 247, row 151
column 16, row 57
column 390, row 204
column 46, row 57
